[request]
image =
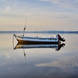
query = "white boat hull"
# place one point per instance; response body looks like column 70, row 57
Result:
column 35, row 40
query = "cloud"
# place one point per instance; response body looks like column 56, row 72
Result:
column 68, row 63
column 63, row 3
column 7, row 9
column 53, row 1
column 44, row 12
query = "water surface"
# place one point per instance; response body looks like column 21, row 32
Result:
column 39, row 62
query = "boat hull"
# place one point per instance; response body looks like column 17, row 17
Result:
column 36, row 42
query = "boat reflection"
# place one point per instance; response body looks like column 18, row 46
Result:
column 29, row 46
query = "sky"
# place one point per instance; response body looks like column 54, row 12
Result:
column 39, row 14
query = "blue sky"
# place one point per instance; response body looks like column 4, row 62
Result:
column 52, row 13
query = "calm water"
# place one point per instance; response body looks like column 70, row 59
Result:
column 39, row 62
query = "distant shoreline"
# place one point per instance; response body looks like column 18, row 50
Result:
column 48, row 32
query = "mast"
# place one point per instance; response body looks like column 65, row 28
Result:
column 24, row 27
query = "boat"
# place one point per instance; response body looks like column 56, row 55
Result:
column 39, row 40
column 29, row 46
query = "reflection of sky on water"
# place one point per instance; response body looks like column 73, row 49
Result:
column 39, row 63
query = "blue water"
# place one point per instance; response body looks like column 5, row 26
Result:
column 38, row 62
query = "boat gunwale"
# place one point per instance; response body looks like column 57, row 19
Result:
column 38, row 38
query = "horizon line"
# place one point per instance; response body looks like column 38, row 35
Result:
column 50, row 31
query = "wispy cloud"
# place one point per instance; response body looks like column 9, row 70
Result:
column 44, row 12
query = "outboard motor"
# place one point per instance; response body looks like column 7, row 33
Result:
column 60, row 38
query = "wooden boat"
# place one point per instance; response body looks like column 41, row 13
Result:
column 37, row 40
column 28, row 46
